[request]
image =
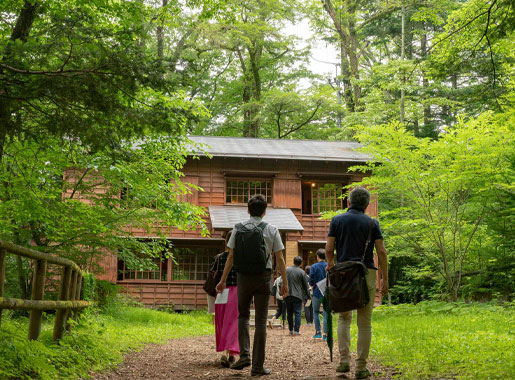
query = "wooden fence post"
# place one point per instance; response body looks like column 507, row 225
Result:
column 78, row 289
column 61, row 314
column 71, row 296
column 38, row 292
column 2, row 276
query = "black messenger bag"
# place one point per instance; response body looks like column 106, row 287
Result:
column 347, row 284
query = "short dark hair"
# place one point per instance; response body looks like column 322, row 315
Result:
column 321, row 253
column 297, row 260
column 307, row 269
column 257, row 205
column 359, row 198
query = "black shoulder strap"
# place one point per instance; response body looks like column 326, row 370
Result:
column 369, row 237
column 216, row 264
column 262, row 226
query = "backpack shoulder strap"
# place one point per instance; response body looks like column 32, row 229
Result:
column 369, row 237
column 262, row 226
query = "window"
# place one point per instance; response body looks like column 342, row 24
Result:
column 240, row 191
column 128, row 199
column 321, row 197
column 192, row 263
column 159, row 272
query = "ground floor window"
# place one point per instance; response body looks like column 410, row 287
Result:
column 188, row 263
column 192, row 263
column 158, row 272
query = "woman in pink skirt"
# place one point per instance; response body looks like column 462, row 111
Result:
column 226, row 315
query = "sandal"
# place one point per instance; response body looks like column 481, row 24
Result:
column 224, row 361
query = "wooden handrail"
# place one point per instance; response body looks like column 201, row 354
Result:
column 18, row 304
column 67, row 305
column 36, row 255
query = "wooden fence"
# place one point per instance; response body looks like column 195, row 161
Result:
column 68, row 303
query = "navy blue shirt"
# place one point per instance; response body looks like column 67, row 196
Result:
column 350, row 231
column 316, row 274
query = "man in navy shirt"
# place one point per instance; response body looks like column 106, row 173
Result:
column 317, row 274
column 349, row 232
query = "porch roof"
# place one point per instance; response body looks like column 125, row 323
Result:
column 225, row 217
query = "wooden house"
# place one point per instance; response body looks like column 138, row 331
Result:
column 300, row 179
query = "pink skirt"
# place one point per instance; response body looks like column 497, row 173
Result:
column 226, row 323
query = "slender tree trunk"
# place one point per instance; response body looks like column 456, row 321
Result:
column 345, row 28
column 353, row 56
column 160, row 34
column 22, row 278
column 345, row 74
column 402, row 59
column 20, row 32
column 425, row 82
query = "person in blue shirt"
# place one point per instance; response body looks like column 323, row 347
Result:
column 317, row 274
column 348, row 233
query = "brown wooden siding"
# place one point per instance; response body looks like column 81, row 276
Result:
column 211, row 175
column 287, row 193
column 181, row 294
column 109, row 264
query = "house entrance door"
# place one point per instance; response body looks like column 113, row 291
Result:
column 309, row 257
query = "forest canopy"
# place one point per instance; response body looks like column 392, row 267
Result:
column 426, row 86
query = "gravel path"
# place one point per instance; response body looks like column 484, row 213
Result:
column 289, row 357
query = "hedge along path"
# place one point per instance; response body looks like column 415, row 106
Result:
column 289, row 357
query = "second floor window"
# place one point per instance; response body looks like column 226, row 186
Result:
column 240, row 191
column 321, row 197
column 327, row 198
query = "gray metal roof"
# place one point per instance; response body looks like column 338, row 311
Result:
column 225, row 217
column 281, row 149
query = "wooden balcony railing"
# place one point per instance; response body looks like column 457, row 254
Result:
column 68, row 303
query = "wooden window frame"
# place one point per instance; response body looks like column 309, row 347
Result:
column 126, row 273
column 269, row 189
column 320, row 184
column 198, row 276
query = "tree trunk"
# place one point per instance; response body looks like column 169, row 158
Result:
column 22, row 278
column 353, row 57
column 403, row 77
column 160, row 34
column 345, row 73
column 425, row 82
column 349, row 48
column 20, row 32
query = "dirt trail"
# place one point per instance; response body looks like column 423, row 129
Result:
column 289, row 357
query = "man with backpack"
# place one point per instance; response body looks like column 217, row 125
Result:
column 251, row 247
column 350, row 232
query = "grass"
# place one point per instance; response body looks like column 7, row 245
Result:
column 442, row 340
column 425, row 341
column 97, row 343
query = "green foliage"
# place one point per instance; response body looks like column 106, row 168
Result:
column 89, row 284
column 438, row 195
column 440, row 340
column 96, row 343
column 78, row 203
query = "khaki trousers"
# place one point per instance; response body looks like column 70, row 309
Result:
column 364, row 327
